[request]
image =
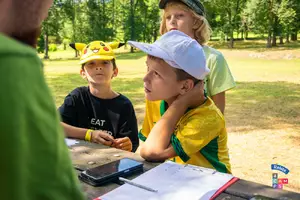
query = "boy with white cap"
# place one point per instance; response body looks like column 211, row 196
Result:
column 180, row 124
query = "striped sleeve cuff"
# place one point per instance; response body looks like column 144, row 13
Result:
column 141, row 136
column 178, row 149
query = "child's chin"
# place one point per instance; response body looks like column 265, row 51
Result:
column 151, row 98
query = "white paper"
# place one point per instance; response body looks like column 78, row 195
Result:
column 71, row 142
column 173, row 181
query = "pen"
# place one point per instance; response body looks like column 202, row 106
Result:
column 136, row 184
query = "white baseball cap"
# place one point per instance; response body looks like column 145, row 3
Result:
column 179, row 51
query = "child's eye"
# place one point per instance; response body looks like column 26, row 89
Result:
column 168, row 17
column 180, row 15
column 105, row 62
column 90, row 64
column 156, row 74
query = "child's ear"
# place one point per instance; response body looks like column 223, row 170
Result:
column 82, row 73
column 186, row 86
column 116, row 71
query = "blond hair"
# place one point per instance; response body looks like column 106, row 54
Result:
column 202, row 30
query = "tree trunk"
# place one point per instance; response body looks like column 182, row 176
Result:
column 132, row 23
column 242, row 35
column 270, row 25
column 274, row 40
column 275, row 31
column 269, row 45
column 281, row 39
column 287, row 38
column 46, row 56
column 74, row 26
column 294, row 36
column 246, row 35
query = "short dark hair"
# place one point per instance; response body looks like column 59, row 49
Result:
column 181, row 75
column 113, row 62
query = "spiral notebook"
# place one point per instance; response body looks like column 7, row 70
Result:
column 173, row 181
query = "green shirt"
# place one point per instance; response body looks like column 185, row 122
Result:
column 35, row 162
column 220, row 78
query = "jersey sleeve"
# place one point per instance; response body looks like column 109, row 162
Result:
column 220, row 78
column 195, row 134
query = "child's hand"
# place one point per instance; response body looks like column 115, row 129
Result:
column 192, row 98
column 123, row 143
column 102, row 137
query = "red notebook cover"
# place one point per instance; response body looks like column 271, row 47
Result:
column 224, row 187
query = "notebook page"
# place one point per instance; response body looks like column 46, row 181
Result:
column 173, row 181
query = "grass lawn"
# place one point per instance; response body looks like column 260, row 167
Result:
column 262, row 112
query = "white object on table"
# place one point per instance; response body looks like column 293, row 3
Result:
column 71, row 142
column 172, row 181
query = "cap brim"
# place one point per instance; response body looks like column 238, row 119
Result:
column 96, row 57
column 150, row 49
column 162, row 4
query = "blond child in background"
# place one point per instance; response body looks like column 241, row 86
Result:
column 188, row 16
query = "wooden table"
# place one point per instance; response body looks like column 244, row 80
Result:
column 86, row 155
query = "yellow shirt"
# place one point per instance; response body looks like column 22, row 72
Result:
column 200, row 136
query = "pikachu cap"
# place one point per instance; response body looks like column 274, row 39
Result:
column 96, row 50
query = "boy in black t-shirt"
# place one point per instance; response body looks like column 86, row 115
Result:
column 97, row 113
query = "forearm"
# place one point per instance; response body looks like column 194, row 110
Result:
column 74, row 132
column 167, row 153
column 219, row 100
column 159, row 138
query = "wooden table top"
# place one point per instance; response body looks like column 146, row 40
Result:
column 87, row 155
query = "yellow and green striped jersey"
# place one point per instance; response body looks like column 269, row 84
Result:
column 200, row 136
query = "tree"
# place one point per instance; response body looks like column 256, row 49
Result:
column 262, row 14
column 287, row 17
column 51, row 25
column 230, row 15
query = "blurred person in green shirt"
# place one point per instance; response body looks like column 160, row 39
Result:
column 35, row 162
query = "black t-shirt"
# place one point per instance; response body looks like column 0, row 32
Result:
column 116, row 116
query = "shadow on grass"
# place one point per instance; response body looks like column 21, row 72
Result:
column 263, row 105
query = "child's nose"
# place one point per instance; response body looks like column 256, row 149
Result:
column 146, row 78
column 98, row 67
column 173, row 19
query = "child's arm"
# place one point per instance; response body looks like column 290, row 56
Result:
column 220, row 79
column 219, row 100
column 159, row 138
column 157, row 146
column 97, row 136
